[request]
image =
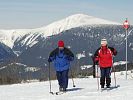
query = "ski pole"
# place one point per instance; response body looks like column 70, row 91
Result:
column 50, row 80
column 114, row 75
column 97, row 79
column 114, row 72
column 94, row 75
column 72, row 78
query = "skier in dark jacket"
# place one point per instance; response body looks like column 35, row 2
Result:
column 104, row 57
column 61, row 57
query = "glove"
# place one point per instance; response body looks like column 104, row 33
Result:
column 115, row 52
column 49, row 60
column 96, row 60
column 70, row 58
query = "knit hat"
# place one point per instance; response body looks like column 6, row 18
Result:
column 60, row 43
column 104, row 41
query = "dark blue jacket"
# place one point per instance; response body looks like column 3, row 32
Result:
column 61, row 58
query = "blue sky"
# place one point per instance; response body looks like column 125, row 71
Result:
column 36, row 13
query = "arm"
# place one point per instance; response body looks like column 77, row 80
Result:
column 113, row 51
column 96, row 56
column 96, row 53
column 52, row 55
column 69, row 54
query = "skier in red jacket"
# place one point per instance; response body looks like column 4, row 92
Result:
column 104, row 57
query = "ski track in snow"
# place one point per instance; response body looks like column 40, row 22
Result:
column 86, row 89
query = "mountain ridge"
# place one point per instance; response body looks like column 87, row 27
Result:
column 9, row 37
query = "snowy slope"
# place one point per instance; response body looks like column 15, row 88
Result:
column 74, row 21
column 86, row 89
column 8, row 37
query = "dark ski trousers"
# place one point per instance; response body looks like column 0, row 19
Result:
column 62, row 77
column 105, row 74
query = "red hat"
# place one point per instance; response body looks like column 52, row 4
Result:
column 61, row 43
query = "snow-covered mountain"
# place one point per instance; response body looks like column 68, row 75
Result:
column 86, row 89
column 9, row 37
column 73, row 21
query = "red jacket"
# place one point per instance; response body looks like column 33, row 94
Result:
column 104, row 56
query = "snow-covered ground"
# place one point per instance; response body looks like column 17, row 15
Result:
column 119, row 63
column 86, row 89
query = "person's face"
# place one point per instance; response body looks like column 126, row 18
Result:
column 103, row 45
column 61, row 48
